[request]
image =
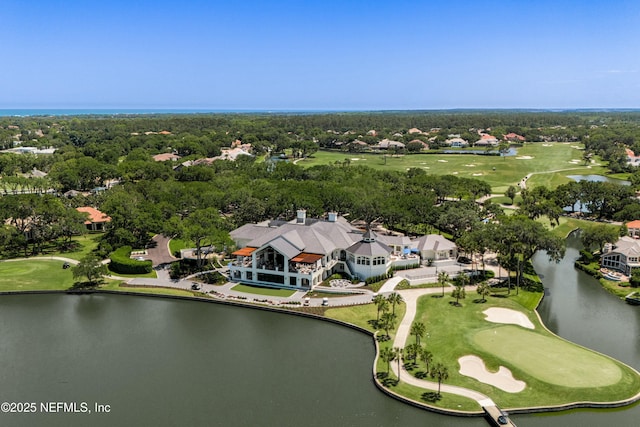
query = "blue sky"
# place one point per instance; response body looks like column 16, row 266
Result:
column 319, row 55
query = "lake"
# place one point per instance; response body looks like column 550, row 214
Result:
column 161, row 362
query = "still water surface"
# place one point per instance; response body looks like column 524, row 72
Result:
column 174, row 363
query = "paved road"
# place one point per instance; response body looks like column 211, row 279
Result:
column 158, row 252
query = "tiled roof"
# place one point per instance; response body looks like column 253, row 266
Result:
column 633, row 224
column 95, row 216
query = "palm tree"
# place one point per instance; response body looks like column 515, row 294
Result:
column 458, row 293
column 387, row 355
column 483, row 290
column 443, row 278
column 393, row 299
column 388, row 322
column 464, row 279
column 378, row 301
column 398, row 352
column 427, row 357
column 383, row 306
column 411, row 351
column 440, row 373
column 418, row 329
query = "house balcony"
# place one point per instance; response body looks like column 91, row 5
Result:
column 304, row 269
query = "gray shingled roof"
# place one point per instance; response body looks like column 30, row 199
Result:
column 627, row 246
column 285, row 247
column 434, row 242
column 374, row 248
column 394, row 240
column 319, row 237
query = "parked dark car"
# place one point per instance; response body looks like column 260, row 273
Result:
column 464, row 260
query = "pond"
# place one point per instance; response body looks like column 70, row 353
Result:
column 597, row 178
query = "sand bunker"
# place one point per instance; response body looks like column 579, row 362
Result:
column 443, row 161
column 477, row 174
column 357, row 158
column 474, row 367
column 470, row 166
column 547, row 145
column 454, row 173
column 524, row 157
column 506, row 315
column 574, row 161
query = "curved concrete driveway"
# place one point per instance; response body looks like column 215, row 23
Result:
column 158, row 252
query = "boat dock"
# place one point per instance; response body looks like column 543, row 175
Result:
column 496, row 416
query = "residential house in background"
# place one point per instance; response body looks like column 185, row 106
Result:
column 623, row 256
column 513, row 137
column 456, row 141
column 487, row 140
column 632, row 159
column 96, row 220
column 387, row 144
column 164, row 157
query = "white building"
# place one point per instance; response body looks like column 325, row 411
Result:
column 300, row 254
column 623, row 256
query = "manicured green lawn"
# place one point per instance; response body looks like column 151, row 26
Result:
column 539, row 357
column 34, row 274
column 175, row 245
column 361, row 315
column 263, row 291
column 567, row 225
column 536, row 158
column 555, row 371
column 115, row 286
column 151, row 275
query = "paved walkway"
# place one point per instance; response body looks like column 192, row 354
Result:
column 410, row 298
column 390, row 285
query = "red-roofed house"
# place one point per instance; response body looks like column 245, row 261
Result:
column 165, row 157
column 633, row 228
column 632, row 159
column 95, row 219
column 486, row 139
column 514, row 137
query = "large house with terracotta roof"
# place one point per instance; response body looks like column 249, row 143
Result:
column 487, row 140
column 513, row 137
column 300, row 254
column 96, row 220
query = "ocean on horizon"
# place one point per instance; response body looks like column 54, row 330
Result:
column 48, row 112
column 44, row 112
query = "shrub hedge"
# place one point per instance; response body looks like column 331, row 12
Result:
column 121, row 263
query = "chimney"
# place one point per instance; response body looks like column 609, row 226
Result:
column 332, row 216
column 301, row 217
